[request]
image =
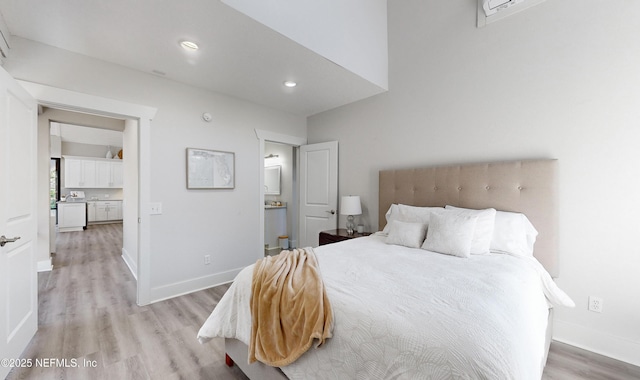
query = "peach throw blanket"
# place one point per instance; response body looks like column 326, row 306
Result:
column 289, row 307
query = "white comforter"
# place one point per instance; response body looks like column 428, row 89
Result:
column 403, row 313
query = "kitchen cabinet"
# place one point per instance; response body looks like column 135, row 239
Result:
column 105, row 211
column 72, row 216
column 86, row 172
column 109, row 174
column 79, row 173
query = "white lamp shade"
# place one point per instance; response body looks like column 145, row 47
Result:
column 350, row 205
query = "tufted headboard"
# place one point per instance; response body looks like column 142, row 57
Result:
column 529, row 187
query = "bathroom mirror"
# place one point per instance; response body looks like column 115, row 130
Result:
column 272, row 180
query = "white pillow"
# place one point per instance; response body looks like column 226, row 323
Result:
column 408, row 234
column 407, row 213
column 450, row 233
column 513, row 234
column 483, row 234
column 393, row 213
column 416, row 213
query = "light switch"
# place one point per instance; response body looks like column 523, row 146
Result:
column 155, row 208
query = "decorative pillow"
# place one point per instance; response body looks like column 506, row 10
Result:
column 483, row 234
column 513, row 234
column 408, row 234
column 450, row 233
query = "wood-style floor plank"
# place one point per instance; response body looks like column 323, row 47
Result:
column 87, row 311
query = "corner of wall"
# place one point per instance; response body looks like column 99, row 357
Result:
column 596, row 341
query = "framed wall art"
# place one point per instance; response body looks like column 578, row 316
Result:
column 210, row 169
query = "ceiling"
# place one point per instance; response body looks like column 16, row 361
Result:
column 238, row 56
column 86, row 135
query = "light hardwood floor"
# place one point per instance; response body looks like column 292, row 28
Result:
column 87, row 312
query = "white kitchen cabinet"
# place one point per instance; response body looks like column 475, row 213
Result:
column 109, row 174
column 117, row 174
column 105, row 211
column 86, row 172
column 79, row 173
column 72, row 216
column 91, row 212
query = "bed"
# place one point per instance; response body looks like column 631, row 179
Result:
column 407, row 312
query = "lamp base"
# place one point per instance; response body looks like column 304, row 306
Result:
column 350, row 225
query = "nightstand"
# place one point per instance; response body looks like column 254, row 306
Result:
column 334, row 236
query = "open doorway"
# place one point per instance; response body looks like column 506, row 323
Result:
column 280, row 197
column 86, row 172
column 315, row 187
column 137, row 145
column 86, row 156
column 287, row 144
column 91, row 167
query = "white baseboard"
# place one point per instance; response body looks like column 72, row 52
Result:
column 595, row 341
column 131, row 263
column 45, row 265
column 189, row 286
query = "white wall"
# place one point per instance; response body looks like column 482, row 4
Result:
column 559, row 80
column 194, row 222
column 88, row 150
column 43, row 246
column 351, row 33
column 131, row 204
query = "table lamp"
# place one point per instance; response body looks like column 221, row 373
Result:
column 350, row 205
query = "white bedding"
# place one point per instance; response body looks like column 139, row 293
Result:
column 407, row 313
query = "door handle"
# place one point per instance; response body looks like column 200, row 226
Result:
column 332, row 212
column 4, row 240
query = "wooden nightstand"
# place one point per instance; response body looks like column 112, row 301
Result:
column 334, row 236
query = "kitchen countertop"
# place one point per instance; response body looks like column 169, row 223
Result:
column 268, row 207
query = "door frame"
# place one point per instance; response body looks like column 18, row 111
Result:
column 264, row 136
column 78, row 102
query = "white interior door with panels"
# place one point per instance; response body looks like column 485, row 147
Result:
column 18, row 221
column 318, row 191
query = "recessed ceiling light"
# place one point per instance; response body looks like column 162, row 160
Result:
column 290, row 83
column 188, row 45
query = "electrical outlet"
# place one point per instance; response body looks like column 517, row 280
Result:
column 207, row 259
column 595, row 304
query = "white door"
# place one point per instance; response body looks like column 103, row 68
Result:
column 18, row 281
column 318, row 191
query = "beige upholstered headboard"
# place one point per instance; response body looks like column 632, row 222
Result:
column 529, row 187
